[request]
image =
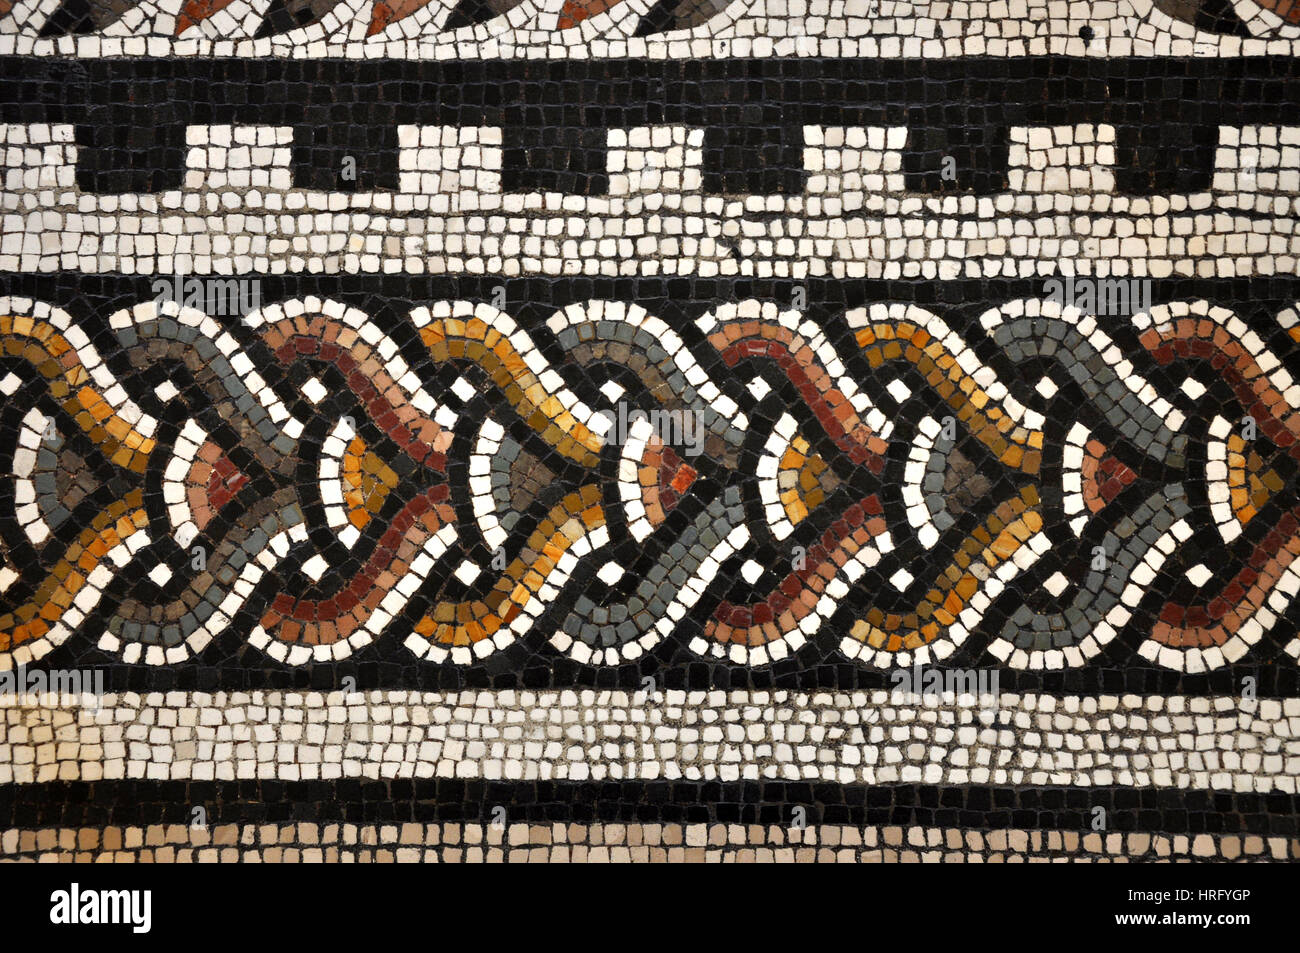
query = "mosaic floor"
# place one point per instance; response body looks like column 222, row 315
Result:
column 687, row 430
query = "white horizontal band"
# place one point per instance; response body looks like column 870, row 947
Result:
column 740, row 28
column 849, row 738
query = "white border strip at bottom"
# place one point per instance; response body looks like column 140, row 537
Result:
column 869, row 737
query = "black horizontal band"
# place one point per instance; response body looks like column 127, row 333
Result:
column 129, row 803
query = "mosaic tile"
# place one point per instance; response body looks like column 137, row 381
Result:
column 533, row 29
column 649, row 430
column 619, row 843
